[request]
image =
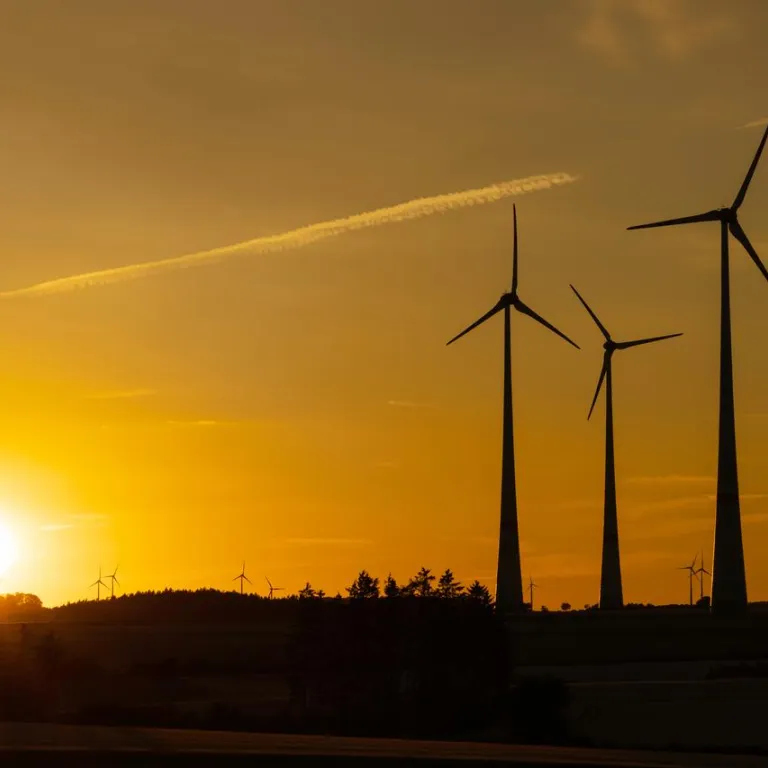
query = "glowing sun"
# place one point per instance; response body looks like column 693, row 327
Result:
column 8, row 548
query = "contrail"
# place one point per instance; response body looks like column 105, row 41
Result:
column 297, row 238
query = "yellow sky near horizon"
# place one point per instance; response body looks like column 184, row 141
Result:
column 300, row 410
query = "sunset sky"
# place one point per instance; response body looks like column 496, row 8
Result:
column 300, row 410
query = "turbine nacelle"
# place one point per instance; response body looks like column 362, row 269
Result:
column 511, row 300
column 729, row 215
column 610, row 346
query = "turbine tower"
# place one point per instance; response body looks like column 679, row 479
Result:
column 272, row 589
column 98, row 584
column 509, row 580
column 729, row 580
column 611, row 595
column 242, row 578
column 531, row 587
column 691, row 576
column 113, row 580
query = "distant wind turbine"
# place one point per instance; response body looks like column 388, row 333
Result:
column 611, row 594
column 691, row 576
column 531, row 587
column 242, row 578
column 98, row 584
column 113, row 580
column 272, row 589
column 700, row 572
column 729, row 579
column 509, row 580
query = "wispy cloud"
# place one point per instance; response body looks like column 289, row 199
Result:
column 89, row 517
column 125, row 394
column 671, row 479
column 196, row 423
column 745, row 497
column 327, row 542
column 385, row 464
column 674, row 30
column 756, row 123
column 406, row 404
column 76, row 520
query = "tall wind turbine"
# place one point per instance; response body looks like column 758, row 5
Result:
column 509, row 580
column 272, row 589
column 700, row 572
column 113, row 580
column 611, row 595
column 729, row 580
column 242, row 578
column 691, row 576
column 98, row 584
column 531, row 587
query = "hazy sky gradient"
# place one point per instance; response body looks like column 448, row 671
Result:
column 300, row 409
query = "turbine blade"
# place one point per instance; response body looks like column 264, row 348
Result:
column 514, row 249
column 602, row 328
column 116, row 581
column 708, row 216
column 742, row 193
column 269, row 582
column 490, row 313
column 94, row 584
column 603, row 371
column 526, row 310
column 236, row 578
column 628, row 344
column 741, row 236
column 247, row 579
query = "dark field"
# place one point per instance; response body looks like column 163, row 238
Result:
column 674, row 679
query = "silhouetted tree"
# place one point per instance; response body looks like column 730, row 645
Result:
column 421, row 584
column 364, row 587
column 307, row 593
column 479, row 592
column 390, row 587
column 565, row 607
column 544, row 609
column 448, row 587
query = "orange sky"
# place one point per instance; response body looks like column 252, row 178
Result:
column 300, row 409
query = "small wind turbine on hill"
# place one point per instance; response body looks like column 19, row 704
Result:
column 531, row 587
column 509, row 580
column 691, row 576
column 700, row 572
column 113, row 580
column 272, row 589
column 242, row 578
column 611, row 595
column 98, row 584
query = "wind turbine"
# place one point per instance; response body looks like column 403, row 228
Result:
column 272, row 589
column 242, row 578
column 509, row 580
column 700, row 571
column 691, row 576
column 611, row 595
column 98, row 584
column 729, row 580
column 531, row 587
column 113, row 580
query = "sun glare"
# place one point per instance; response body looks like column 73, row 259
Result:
column 8, row 548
